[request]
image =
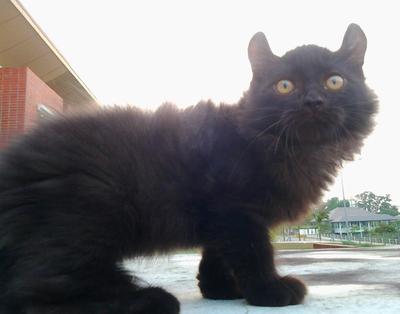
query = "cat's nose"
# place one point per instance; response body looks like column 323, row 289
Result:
column 313, row 101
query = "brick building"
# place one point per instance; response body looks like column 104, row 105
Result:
column 35, row 79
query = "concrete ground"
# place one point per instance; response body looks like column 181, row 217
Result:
column 342, row 281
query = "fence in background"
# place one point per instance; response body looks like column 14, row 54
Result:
column 392, row 239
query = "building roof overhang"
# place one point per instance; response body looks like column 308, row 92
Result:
column 24, row 44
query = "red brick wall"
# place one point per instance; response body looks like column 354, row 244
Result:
column 39, row 93
column 12, row 103
column 21, row 91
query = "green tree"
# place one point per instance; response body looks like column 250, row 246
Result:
column 385, row 228
column 321, row 221
column 376, row 203
column 335, row 202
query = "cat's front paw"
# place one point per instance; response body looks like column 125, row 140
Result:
column 279, row 292
column 219, row 290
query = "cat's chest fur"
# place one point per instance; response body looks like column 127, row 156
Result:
column 275, row 182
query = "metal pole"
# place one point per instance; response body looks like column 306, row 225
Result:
column 341, row 177
column 344, row 205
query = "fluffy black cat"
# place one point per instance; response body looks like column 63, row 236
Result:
column 79, row 194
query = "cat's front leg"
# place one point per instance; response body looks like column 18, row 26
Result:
column 216, row 279
column 244, row 245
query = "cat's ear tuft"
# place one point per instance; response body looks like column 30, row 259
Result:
column 259, row 52
column 354, row 44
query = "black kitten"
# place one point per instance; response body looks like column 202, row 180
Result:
column 80, row 194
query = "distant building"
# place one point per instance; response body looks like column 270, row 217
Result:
column 35, row 79
column 308, row 231
column 356, row 220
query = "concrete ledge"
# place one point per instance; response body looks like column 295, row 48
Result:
column 339, row 281
column 308, row 245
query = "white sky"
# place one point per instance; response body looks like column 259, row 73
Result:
column 147, row 52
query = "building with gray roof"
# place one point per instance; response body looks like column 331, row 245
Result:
column 356, row 219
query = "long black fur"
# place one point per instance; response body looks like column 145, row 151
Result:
column 81, row 193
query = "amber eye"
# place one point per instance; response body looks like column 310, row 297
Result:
column 334, row 82
column 284, row 87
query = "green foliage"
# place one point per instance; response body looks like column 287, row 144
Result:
column 321, row 221
column 321, row 216
column 392, row 211
column 386, row 228
column 335, row 202
column 376, row 203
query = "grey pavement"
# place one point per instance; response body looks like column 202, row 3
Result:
column 338, row 280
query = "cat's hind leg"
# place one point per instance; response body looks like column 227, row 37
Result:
column 216, row 280
column 143, row 301
column 91, row 290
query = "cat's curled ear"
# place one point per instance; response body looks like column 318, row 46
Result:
column 354, row 44
column 260, row 54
